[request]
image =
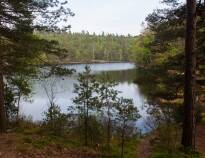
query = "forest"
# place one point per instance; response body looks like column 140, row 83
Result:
column 86, row 47
column 101, row 95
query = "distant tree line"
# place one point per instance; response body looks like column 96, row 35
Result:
column 85, row 47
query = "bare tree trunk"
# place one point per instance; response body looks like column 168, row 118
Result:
column 123, row 140
column 190, row 78
column 2, row 108
column 86, row 126
column 108, row 129
column 18, row 105
column 52, row 115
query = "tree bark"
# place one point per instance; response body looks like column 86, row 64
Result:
column 190, row 77
column 86, row 126
column 108, row 133
column 108, row 125
column 123, row 140
column 2, row 108
column 18, row 105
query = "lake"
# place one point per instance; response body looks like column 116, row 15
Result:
column 122, row 73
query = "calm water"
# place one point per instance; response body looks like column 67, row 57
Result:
column 123, row 73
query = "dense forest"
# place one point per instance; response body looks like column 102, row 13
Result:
column 86, row 47
column 101, row 122
column 176, row 74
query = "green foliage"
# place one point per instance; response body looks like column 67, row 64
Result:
column 107, row 101
column 85, row 89
column 127, row 113
column 162, row 78
column 55, row 121
column 20, row 47
column 17, row 88
column 85, row 47
column 11, row 109
column 115, row 150
column 88, row 115
column 140, row 49
column 94, row 97
column 167, row 141
column 21, row 50
column 95, row 129
column 86, row 100
column 32, row 136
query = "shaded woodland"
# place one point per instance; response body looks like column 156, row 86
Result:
column 170, row 72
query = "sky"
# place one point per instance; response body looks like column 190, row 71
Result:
column 111, row 16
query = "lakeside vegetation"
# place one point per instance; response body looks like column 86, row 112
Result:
column 102, row 124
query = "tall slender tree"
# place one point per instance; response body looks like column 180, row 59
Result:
column 86, row 100
column 2, row 110
column 108, row 99
column 127, row 113
column 190, row 77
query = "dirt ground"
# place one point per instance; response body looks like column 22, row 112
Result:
column 145, row 149
column 200, row 139
column 8, row 149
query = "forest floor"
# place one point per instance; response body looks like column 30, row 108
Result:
column 11, row 147
column 200, row 139
column 145, row 149
column 15, row 145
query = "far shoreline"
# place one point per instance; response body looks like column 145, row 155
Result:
column 87, row 62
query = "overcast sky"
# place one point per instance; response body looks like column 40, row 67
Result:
column 111, row 16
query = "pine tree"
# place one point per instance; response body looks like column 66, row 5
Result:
column 86, row 99
column 19, row 47
column 108, row 99
column 126, row 113
column 190, row 77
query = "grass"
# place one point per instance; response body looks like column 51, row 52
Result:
column 130, row 149
column 32, row 137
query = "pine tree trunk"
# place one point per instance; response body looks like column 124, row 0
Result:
column 2, row 109
column 86, row 127
column 123, row 140
column 108, row 133
column 190, row 68
column 122, row 147
column 18, row 106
